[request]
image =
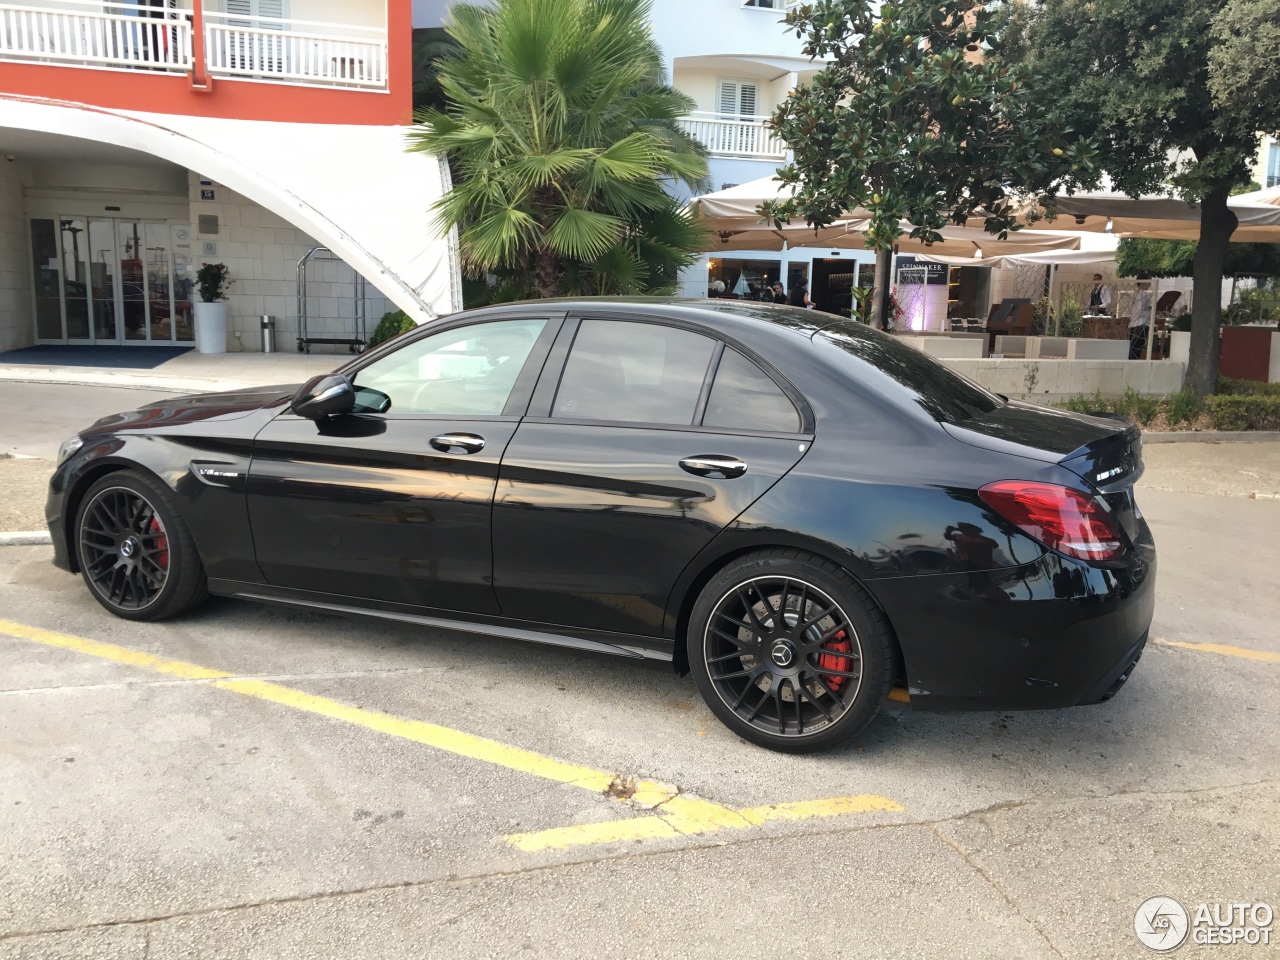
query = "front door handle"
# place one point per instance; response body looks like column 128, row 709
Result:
column 714, row 464
column 467, row 442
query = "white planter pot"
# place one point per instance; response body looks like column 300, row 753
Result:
column 1180, row 345
column 211, row 327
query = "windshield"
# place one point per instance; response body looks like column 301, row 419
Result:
column 946, row 395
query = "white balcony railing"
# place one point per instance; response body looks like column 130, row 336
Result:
column 98, row 34
column 125, row 35
column 745, row 137
column 300, row 51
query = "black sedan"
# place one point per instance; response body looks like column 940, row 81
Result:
column 794, row 508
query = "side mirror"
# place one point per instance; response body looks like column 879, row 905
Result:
column 327, row 395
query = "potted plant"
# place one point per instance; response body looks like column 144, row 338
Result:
column 1180, row 337
column 212, row 280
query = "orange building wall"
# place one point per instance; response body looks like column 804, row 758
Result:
column 231, row 99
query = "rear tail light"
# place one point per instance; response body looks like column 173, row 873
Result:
column 1062, row 519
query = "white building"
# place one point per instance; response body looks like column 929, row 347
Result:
column 141, row 138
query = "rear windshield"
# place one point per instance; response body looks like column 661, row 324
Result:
column 947, row 396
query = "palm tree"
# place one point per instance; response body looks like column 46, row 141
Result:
column 561, row 132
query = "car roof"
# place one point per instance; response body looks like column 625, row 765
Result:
column 727, row 315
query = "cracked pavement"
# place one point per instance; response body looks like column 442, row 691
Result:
column 156, row 817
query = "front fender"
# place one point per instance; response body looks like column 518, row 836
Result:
column 212, row 504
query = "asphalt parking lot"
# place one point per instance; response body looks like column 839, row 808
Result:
column 254, row 782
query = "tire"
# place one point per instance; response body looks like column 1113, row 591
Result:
column 792, row 683
column 135, row 551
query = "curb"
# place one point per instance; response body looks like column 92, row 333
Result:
column 94, row 378
column 25, row 538
column 1212, row 436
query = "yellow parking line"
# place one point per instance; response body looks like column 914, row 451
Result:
column 899, row 695
column 671, row 813
column 441, row 738
column 689, row 816
column 1224, row 649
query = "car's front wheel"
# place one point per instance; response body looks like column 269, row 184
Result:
column 135, row 551
column 789, row 651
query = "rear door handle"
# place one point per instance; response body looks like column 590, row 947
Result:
column 714, row 464
column 467, row 442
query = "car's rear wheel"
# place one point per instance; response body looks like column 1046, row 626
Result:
column 135, row 552
column 789, row 651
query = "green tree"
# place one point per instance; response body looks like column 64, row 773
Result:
column 1244, row 51
column 560, row 128
column 1169, row 113
column 912, row 119
column 1138, row 256
column 430, row 46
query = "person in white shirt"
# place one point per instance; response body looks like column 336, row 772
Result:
column 1140, row 321
column 1099, row 298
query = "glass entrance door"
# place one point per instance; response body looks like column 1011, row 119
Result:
column 74, row 259
column 110, row 281
column 103, row 268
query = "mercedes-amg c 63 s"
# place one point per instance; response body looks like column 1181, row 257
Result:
column 794, row 508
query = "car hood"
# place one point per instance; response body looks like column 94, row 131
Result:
column 228, row 405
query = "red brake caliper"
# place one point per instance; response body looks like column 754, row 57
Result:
column 833, row 661
column 162, row 547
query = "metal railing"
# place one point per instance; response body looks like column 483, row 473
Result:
column 782, row 5
column 741, row 137
column 302, row 51
column 111, row 34
column 100, row 34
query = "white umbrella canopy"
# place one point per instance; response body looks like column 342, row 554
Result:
column 957, row 242
column 732, row 214
column 1158, row 217
column 1270, row 196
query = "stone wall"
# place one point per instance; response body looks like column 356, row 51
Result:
column 1051, row 381
column 262, row 251
column 16, row 328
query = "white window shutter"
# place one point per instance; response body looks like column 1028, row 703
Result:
column 240, row 8
column 727, row 100
column 270, row 8
column 747, row 99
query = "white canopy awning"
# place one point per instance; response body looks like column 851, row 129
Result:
column 1160, row 217
column 732, row 215
column 353, row 188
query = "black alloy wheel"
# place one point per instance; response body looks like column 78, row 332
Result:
column 134, row 551
column 791, row 654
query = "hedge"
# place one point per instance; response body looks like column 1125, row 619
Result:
column 391, row 325
column 1244, row 412
column 1230, row 386
column 1234, row 409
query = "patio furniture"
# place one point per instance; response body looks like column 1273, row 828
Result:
column 1106, row 328
column 1084, row 349
column 1011, row 317
column 1007, row 345
column 1047, row 348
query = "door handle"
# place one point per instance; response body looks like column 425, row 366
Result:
column 711, row 464
column 468, row 442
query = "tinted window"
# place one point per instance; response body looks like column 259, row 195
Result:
column 468, row 371
column 633, row 372
column 945, row 394
column 744, row 397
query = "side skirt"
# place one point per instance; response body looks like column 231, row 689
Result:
column 618, row 645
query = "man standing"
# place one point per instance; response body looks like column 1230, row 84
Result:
column 778, row 295
column 1140, row 321
column 1099, row 298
